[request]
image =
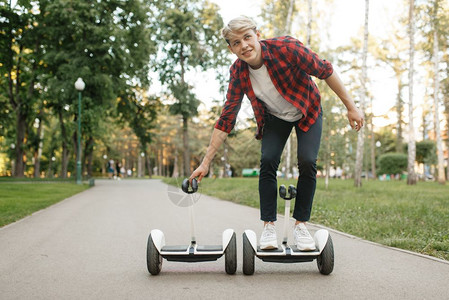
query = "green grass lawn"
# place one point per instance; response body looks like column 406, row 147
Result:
column 414, row 218
column 18, row 199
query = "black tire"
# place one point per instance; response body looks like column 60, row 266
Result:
column 231, row 256
column 325, row 261
column 154, row 259
column 248, row 256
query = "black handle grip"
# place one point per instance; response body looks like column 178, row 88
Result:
column 291, row 192
column 186, row 188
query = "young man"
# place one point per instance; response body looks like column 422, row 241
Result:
column 275, row 74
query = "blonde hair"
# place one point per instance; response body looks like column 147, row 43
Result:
column 238, row 24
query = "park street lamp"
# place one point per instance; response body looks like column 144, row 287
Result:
column 79, row 85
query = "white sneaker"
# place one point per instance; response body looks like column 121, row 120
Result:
column 268, row 239
column 303, row 239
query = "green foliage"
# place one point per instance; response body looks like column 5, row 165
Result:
column 113, row 44
column 19, row 69
column 105, row 43
column 432, row 16
column 187, row 103
column 275, row 12
column 188, row 37
column 387, row 139
column 48, row 45
column 140, row 114
column 426, row 152
column 392, row 163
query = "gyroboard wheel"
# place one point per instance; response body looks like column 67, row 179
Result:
column 231, row 256
column 248, row 256
column 325, row 260
column 154, row 259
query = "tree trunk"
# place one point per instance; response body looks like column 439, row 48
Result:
column 225, row 160
column 17, row 104
column 361, row 135
column 441, row 173
column 65, row 149
column 87, row 166
column 21, row 110
column 139, row 166
column 411, row 177
column 373, row 145
column 160, row 160
column 38, row 150
column 399, row 108
column 147, row 162
column 64, row 160
column 309, row 23
column 288, row 23
column 37, row 156
column 328, row 161
column 175, row 165
column 50, row 165
column 75, row 147
column 20, row 138
column 447, row 147
column 446, row 105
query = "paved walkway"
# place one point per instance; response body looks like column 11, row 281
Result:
column 93, row 246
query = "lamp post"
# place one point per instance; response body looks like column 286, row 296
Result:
column 79, row 85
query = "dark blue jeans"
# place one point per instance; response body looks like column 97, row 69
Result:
column 275, row 135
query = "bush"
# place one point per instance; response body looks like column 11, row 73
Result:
column 392, row 163
column 426, row 152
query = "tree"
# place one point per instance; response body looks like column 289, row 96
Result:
column 446, row 109
column 441, row 174
column 20, row 41
column 392, row 163
column 106, row 43
column 361, row 135
column 278, row 17
column 139, row 111
column 411, row 178
column 436, row 35
column 188, row 37
column 336, row 145
column 425, row 152
column 392, row 53
column 433, row 24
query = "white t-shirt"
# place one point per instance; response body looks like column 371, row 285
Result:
column 266, row 91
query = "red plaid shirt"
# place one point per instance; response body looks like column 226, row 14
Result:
column 290, row 65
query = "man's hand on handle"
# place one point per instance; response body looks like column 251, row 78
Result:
column 200, row 172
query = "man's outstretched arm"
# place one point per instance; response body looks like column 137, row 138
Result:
column 216, row 140
column 355, row 116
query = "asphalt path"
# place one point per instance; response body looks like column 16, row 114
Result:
column 93, row 246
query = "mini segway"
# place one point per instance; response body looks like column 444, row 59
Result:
column 157, row 250
column 324, row 254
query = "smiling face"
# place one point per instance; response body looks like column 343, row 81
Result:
column 245, row 44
